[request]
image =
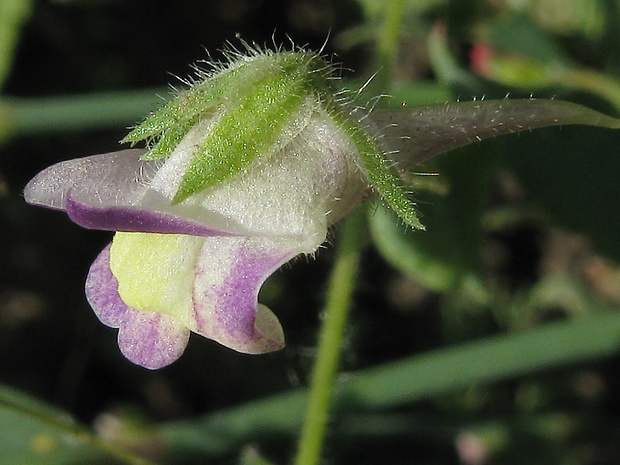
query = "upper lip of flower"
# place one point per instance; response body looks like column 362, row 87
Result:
column 106, row 191
column 296, row 193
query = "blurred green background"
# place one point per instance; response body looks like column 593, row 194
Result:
column 491, row 338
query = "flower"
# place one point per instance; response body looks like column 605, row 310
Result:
column 198, row 265
column 244, row 171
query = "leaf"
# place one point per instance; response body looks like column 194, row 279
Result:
column 401, row 382
column 406, row 253
column 518, row 34
column 32, row 433
column 415, row 134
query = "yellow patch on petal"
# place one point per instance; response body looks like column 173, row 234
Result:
column 155, row 272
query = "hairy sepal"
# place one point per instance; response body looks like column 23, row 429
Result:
column 255, row 105
column 380, row 172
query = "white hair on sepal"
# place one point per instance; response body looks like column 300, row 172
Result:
column 148, row 170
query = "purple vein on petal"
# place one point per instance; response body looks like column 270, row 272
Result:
column 134, row 219
column 227, row 309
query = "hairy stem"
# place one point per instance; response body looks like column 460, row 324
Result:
column 337, row 307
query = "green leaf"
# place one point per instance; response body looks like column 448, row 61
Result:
column 518, row 34
column 32, row 433
column 415, row 134
column 13, row 15
column 405, row 252
column 404, row 381
column 418, row 93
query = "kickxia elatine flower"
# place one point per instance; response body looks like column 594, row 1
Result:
column 243, row 171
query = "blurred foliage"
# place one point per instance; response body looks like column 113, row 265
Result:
column 491, row 338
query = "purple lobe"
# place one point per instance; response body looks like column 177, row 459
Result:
column 134, row 219
column 229, row 274
column 149, row 339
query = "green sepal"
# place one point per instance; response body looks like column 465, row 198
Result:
column 268, row 113
column 168, row 141
column 204, row 97
column 381, row 172
column 390, row 186
column 256, row 103
column 243, row 134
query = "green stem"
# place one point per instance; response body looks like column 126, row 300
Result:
column 591, row 81
column 337, row 307
column 31, row 116
column 387, row 44
column 13, row 15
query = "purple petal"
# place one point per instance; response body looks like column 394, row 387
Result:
column 149, row 339
column 134, row 219
column 297, row 192
column 102, row 291
column 229, row 274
